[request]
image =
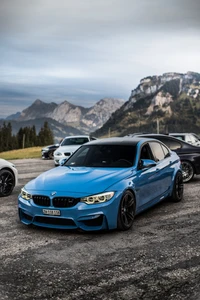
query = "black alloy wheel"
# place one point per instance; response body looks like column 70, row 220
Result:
column 187, row 170
column 177, row 194
column 7, row 183
column 126, row 211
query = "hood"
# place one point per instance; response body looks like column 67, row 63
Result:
column 68, row 148
column 75, row 180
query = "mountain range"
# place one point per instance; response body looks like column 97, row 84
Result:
column 165, row 103
column 65, row 118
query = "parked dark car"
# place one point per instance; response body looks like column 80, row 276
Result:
column 47, row 152
column 189, row 154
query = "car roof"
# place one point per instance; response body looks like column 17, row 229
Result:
column 179, row 133
column 121, row 141
column 157, row 135
column 170, row 137
column 76, row 136
column 151, row 135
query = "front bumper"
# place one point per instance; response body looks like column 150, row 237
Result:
column 45, row 154
column 87, row 217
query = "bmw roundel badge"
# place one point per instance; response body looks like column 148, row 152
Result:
column 53, row 193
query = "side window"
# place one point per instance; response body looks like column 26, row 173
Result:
column 166, row 151
column 181, row 137
column 171, row 144
column 174, row 145
column 157, row 151
column 145, row 152
column 166, row 142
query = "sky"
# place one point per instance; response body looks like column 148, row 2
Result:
column 85, row 50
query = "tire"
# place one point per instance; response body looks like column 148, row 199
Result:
column 126, row 211
column 7, row 182
column 187, row 170
column 177, row 193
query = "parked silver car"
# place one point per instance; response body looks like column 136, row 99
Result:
column 8, row 177
column 187, row 137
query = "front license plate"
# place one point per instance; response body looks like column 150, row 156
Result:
column 52, row 212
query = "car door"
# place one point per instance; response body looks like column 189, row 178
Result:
column 153, row 182
column 163, row 170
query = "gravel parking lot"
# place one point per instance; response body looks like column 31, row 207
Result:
column 159, row 258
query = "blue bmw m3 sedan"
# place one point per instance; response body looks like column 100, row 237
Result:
column 103, row 185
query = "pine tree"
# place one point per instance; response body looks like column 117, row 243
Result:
column 26, row 137
column 45, row 136
column 6, row 137
column 33, row 136
column 20, row 138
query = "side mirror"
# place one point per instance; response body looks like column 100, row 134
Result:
column 62, row 161
column 146, row 163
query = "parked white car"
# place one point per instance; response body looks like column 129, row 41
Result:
column 8, row 177
column 69, row 145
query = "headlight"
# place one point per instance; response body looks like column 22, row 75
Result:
column 58, row 153
column 25, row 195
column 45, row 149
column 100, row 198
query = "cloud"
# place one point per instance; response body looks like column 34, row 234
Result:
column 85, row 18
column 85, row 49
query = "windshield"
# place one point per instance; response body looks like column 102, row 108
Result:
column 74, row 141
column 114, row 156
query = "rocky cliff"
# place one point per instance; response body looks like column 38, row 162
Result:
column 173, row 99
column 38, row 109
